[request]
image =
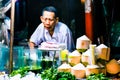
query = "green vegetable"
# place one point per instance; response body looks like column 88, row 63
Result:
column 64, row 76
column 100, row 76
column 53, row 74
column 24, row 70
column 48, row 74
column 62, row 79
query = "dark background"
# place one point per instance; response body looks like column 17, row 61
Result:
column 105, row 14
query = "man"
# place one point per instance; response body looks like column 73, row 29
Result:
column 51, row 30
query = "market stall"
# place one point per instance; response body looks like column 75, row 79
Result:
column 84, row 63
column 87, row 62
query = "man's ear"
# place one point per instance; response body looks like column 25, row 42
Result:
column 57, row 19
column 41, row 18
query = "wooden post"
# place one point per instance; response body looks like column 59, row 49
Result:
column 11, row 35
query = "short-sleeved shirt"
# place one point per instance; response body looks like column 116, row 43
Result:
column 62, row 34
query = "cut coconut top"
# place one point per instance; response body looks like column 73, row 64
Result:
column 102, row 46
column 84, row 37
column 79, row 66
column 64, row 66
column 75, row 53
column 92, row 66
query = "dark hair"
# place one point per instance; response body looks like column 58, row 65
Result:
column 50, row 9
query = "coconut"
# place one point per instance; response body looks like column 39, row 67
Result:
column 113, row 67
column 92, row 69
column 83, row 42
column 103, row 52
column 78, row 70
column 64, row 68
column 74, row 58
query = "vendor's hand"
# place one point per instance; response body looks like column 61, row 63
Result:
column 33, row 54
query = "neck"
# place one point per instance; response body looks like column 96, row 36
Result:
column 51, row 31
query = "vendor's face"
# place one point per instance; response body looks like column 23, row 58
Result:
column 49, row 20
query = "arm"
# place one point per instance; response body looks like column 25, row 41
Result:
column 37, row 37
column 31, row 45
column 70, row 41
